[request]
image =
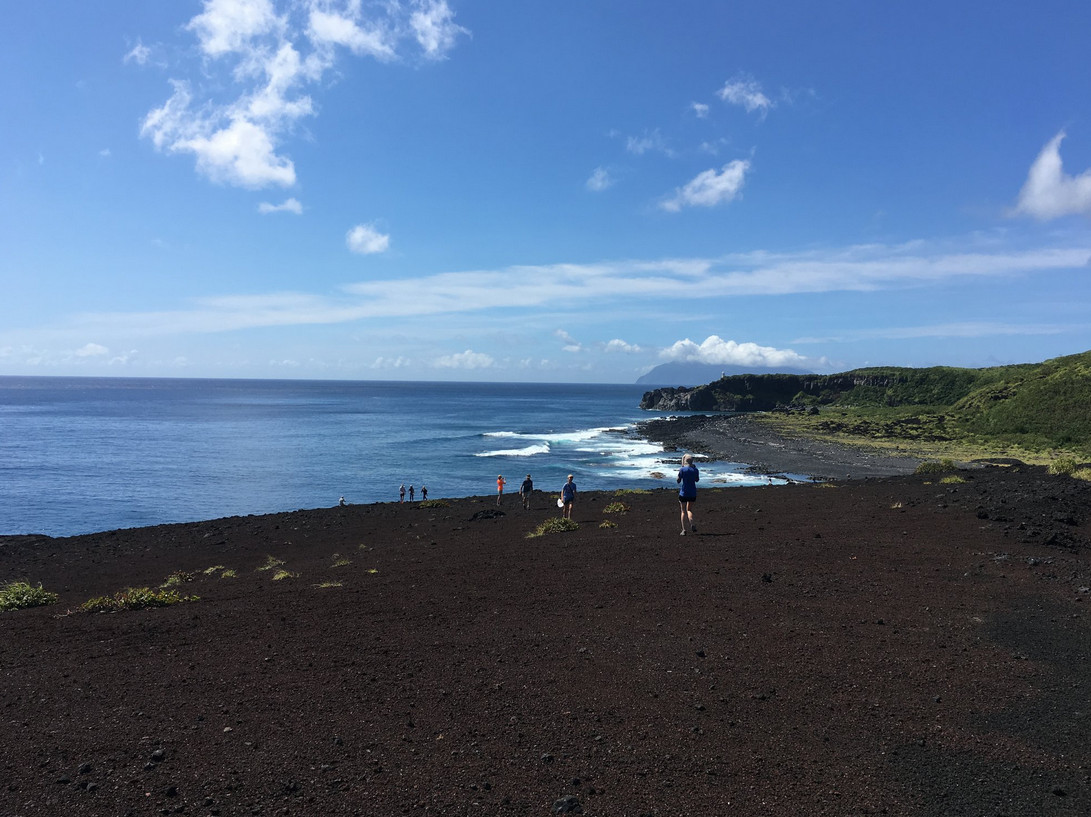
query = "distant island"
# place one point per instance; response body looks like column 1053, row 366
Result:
column 1037, row 408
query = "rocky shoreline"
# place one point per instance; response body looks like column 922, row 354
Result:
column 739, row 438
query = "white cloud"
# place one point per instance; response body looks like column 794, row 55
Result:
column 366, row 240
column 104, row 153
column 140, row 54
column 434, row 27
column 287, row 206
column 710, row 188
column 1049, row 192
column 465, row 360
column 617, row 345
column 700, row 109
column 570, row 343
column 92, row 350
column 720, row 352
column 599, row 180
column 260, row 56
column 746, row 91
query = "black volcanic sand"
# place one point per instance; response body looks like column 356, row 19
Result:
column 739, row 438
column 897, row 646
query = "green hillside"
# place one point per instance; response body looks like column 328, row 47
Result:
column 1034, row 406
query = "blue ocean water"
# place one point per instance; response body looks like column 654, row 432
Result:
column 79, row 455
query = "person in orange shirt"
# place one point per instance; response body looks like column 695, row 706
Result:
column 499, row 488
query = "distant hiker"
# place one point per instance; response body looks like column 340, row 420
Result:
column 423, row 492
column 411, row 492
column 524, row 492
column 499, row 488
column 342, row 503
column 568, row 497
column 401, row 493
column 688, row 476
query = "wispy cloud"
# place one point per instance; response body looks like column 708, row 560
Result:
column 964, row 329
column 599, row 180
column 139, row 53
column 865, row 268
column 266, row 54
column 700, row 109
column 618, row 345
column 570, row 343
column 651, row 141
column 710, row 188
column 364, row 239
column 286, row 206
column 746, row 92
column 1049, row 192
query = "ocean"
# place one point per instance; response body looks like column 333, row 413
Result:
column 80, row 455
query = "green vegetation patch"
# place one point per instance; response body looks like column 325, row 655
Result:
column 177, row 578
column 935, row 467
column 284, row 574
column 607, row 523
column 340, row 561
column 133, row 598
column 554, row 525
column 624, row 491
column 1063, row 465
column 433, row 503
column 616, row 507
column 20, row 595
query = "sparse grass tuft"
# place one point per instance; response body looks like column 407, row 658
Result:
column 20, row 595
column 433, row 503
column 896, row 506
column 935, row 467
column 372, row 571
column 208, row 571
column 953, row 479
column 284, row 574
column 322, row 585
column 624, row 491
column 607, row 523
column 133, row 598
column 271, row 562
column 228, row 574
column 554, row 525
column 616, row 507
column 1082, row 473
column 340, row 561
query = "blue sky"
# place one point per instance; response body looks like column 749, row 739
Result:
column 540, row 191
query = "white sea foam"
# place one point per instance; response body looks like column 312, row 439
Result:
column 529, row 451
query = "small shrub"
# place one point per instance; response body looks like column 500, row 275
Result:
column 340, row 561
column 208, row 571
column 624, row 491
column 935, row 467
column 616, row 507
column 372, row 571
column 1063, row 465
column 284, row 574
column 133, row 598
column 322, row 585
column 607, row 523
column 434, row 503
column 21, row 595
column 1082, row 473
column 177, row 578
column 953, row 479
column 228, row 574
column 554, row 525
column 271, row 562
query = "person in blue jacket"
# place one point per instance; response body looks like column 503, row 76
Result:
column 688, row 476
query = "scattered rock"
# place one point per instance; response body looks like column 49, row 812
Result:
column 569, row 804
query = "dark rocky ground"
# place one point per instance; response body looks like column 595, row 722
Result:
column 893, row 645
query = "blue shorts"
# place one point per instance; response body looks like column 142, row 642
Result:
column 687, row 498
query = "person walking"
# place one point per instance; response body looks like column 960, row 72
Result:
column 401, row 493
column 423, row 493
column 524, row 492
column 499, row 488
column 411, row 492
column 688, row 476
column 568, row 497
